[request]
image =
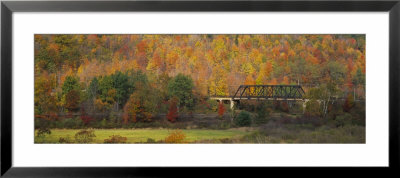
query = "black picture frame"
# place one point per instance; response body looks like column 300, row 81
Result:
column 8, row 7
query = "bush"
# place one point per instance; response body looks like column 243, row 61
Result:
column 115, row 139
column 42, row 123
column 173, row 110
column 221, row 109
column 343, row 120
column 41, row 135
column 70, row 123
column 262, row 113
column 43, row 132
column 176, row 136
column 315, row 121
column 243, row 119
column 86, row 119
column 211, row 105
column 358, row 114
column 103, row 123
column 65, row 140
column 150, row 140
column 84, row 136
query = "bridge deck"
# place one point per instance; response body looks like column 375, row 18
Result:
column 265, row 92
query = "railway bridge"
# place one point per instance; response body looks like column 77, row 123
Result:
column 264, row 92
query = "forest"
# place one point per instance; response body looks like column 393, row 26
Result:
column 157, row 88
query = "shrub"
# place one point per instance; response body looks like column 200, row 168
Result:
column 315, row 121
column 103, row 123
column 115, row 139
column 84, row 136
column 173, row 110
column 86, row 119
column 41, row 135
column 211, row 105
column 262, row 113
column 70, row 123
column 43, row 132
column 150, row 140
column 176, row 136
column 65, row 140
column 358, row 114
column 42, row 123
column 221, row 109
column 243, row 119
column 342, row 120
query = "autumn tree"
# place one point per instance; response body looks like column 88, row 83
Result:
column 45, row 100
column 218, row 82
column 142, row 104
column 348, row 103
column 71, row 93
column 221, row 109
column 122, row 87
column 72, row 100
column 109, row 66
column 107, row 94
column 173, row 110
column 181, row 86
column 70, row 83
column 358, row 81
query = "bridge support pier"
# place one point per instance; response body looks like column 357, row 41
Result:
column 304, row 105
column 232, row 103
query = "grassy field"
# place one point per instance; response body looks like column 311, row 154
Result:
column 141, row 135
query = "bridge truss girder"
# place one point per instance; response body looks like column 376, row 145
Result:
column 269, row 92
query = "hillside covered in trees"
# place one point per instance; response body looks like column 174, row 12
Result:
column 129, row 78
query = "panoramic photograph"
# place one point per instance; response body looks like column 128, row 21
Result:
column 199, row 88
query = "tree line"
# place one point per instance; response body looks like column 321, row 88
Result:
column 137, row 74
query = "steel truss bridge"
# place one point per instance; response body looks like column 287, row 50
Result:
column 264, row 92
column 282, row 92
column 269, row 92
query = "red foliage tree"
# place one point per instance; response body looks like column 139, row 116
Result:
column 221, row 109
column 173, row 111
column 84, row 117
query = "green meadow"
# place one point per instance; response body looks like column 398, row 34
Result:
column 142, row 135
